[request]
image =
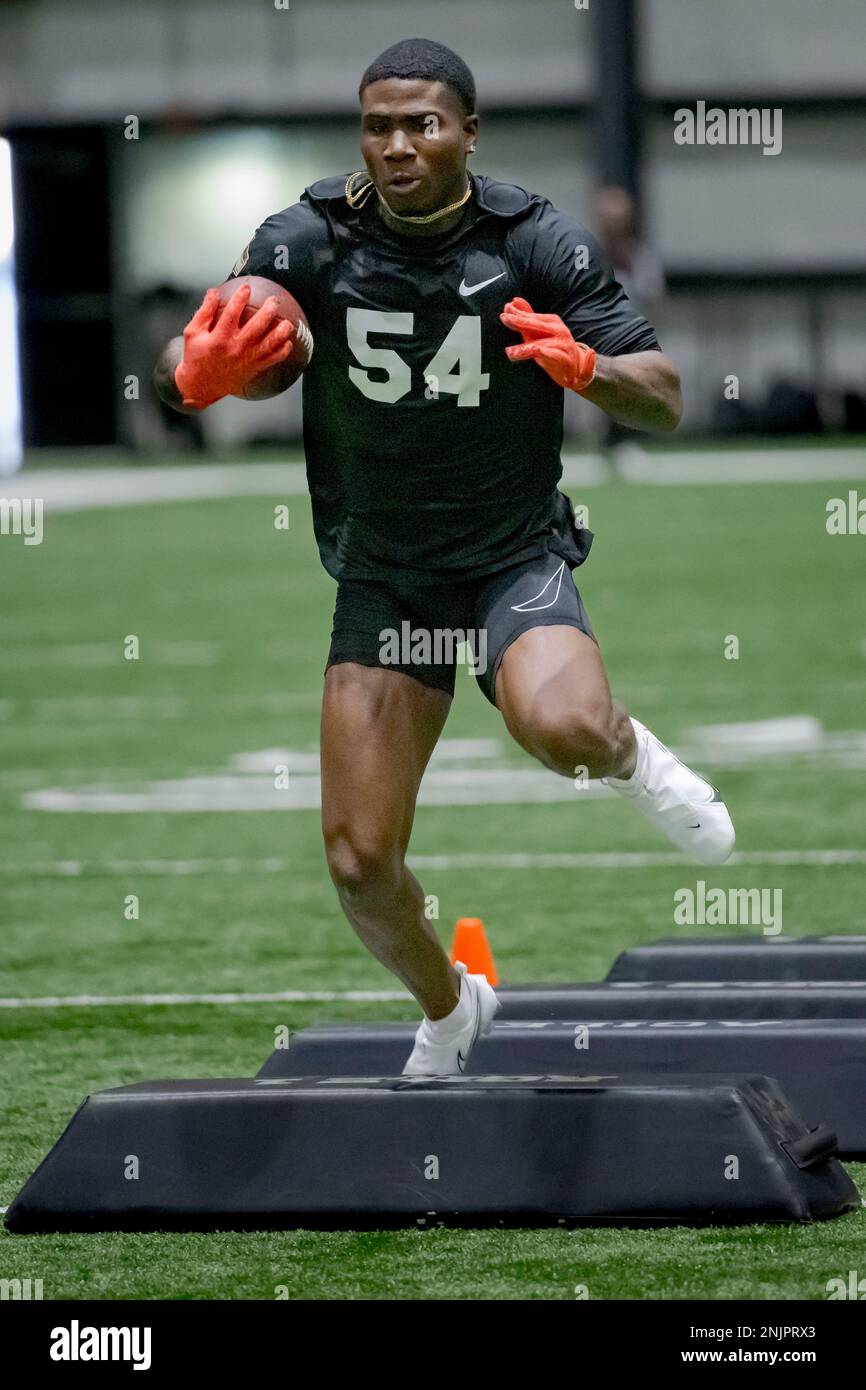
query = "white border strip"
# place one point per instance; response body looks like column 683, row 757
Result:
column 71, row 489
column 636, row 860
column 615, row 859
column 288, row 996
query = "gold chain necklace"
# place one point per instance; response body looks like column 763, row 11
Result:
column 357, row 199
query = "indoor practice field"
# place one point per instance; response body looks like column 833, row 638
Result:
column 121, row 876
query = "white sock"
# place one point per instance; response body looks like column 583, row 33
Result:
column 457, row 1019
column 636, row 781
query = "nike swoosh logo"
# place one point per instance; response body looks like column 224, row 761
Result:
column 471, row 289
column 695, row 827
column 531, row 605
column 461, row 1061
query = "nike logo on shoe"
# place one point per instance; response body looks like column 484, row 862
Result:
column 461, row 1061
column 465, row 289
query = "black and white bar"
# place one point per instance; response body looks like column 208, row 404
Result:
column 338, row 1151
column 819, row 1063
column 803, row 958
column 675, row 1000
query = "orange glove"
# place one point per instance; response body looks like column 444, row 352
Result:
column 220, row 358
column 547, row 341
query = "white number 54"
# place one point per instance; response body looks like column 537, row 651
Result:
column 455, row 368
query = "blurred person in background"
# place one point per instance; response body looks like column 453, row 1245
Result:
column 638, row 268
column 635, row 263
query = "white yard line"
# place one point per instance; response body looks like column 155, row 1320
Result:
column 169, row 868
column 288, row 996
column 84, row 489
column 629, row 860
column 675, row 467
column 181, row 868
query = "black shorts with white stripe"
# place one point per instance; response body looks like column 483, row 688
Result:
column 428, row 632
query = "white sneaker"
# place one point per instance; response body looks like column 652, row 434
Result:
column 687, row 808
column 442, row 1048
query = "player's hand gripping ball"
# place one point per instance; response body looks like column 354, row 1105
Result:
column 548, row 341
column 249, row 338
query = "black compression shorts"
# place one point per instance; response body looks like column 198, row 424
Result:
column 419, row 630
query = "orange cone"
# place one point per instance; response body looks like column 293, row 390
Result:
column 470, row 945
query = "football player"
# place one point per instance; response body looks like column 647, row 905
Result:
column 450, row 313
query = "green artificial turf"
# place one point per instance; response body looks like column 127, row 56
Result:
column 673, row 572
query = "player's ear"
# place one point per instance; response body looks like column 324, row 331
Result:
column 470, row 134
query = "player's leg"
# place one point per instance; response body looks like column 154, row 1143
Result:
column 547, row 677
column 380, row 724
column 379, row 728
column 553, row 692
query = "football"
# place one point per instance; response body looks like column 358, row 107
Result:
column 273, row 380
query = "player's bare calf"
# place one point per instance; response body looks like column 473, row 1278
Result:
column 379, row 728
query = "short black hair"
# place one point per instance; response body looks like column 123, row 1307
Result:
column 426, row 59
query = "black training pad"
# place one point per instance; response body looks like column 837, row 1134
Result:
column 744, row 958
column 359, row 1151
column 819, row 1063
column 675, row 1001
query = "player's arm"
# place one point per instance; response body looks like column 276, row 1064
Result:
column 641, row 389
column 589, row 338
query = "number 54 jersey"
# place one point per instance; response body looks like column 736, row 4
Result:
column 430, row 456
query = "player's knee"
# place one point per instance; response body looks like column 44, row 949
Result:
column 571, row 741
column 359, row 865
